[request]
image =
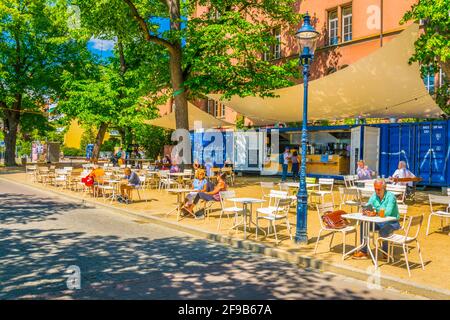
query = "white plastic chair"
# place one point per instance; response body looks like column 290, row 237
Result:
column 224, row 195
column 403, row 241
column 441, row 200
column 329, row 207
column 272, row 214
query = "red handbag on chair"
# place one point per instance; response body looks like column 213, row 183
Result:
column 88, row 181
column 333, row 220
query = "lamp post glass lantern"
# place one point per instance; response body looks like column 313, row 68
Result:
column 307, row 38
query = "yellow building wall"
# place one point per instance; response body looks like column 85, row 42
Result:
column 72, row 138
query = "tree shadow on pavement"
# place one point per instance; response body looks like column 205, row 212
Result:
column 33, row 264
column 25, row 208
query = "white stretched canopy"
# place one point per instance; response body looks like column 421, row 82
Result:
column 196, row 116
column 381, row 85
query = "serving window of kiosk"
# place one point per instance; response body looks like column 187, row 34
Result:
column 328, row 151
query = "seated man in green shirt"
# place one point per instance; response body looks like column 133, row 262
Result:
column 386, row 200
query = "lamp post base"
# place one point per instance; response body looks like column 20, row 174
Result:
column 301, row 238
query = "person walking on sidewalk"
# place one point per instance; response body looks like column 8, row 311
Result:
column 286, row 157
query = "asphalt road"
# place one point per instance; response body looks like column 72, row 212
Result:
column 42, row 235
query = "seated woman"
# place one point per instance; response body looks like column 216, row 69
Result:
column 98, row 175
column 207, row 196
column 199, row 185
column 174, row 168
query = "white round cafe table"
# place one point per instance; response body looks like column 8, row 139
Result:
column 245, row 202
column 368, row 223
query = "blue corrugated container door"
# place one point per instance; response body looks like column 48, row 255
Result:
column 432, row 153
column 397, row 144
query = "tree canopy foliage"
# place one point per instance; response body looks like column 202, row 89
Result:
column 433, row 46
column 215, row 49
column 35, row 47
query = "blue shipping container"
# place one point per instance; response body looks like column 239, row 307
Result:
column 423, row 146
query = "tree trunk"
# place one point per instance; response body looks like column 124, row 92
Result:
column 176, row 70
column 446, row 68
column 11, row 119
column 175, row 51
column 99, row 140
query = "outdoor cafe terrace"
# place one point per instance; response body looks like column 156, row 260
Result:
column 157, row 200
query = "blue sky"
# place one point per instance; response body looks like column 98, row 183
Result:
column 104, row 48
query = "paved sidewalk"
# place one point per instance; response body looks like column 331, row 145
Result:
column 124, row 258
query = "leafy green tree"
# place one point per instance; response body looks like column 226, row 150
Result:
column 433, row 46
column 219, row 51
column 152, row 138
column 87, row 137
column 35, row 47
column 109, row 93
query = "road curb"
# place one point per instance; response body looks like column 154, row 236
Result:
column 301, row 261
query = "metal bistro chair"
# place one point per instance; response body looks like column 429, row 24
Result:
column 350, row 197
column 440, row 200
column 273, row 214
column 31, row 171
column 141, row 186
column 403, row 241
column 325, row 188
column 329, row 207
column 403, row 210
column 60, row 178
column 265, row 189
column 187, row 179
column 284, row 187
column 165, row 181
column 399, row 192
column 349, row 181
column 224, row 195
column 229, row 175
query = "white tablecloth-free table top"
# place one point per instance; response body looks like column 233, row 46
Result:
column 367, row 223
column 245, row 202
column 361, row 217
column 297, row 185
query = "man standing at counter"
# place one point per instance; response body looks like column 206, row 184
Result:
column 286, row 157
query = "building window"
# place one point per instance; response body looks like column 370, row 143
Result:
column 332, row 28
column 277, row 46
column 347, row 18
column 216, row 109
column 214, row 14
column 274, row 51
column 429, row 80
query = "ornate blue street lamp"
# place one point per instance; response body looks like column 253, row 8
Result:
column 307, row 38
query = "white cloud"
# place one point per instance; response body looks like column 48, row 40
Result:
column 103, row 45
